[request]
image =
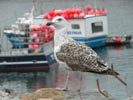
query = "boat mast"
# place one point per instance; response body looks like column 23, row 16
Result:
column 95, row 4
column 0, row 34
column 34, row 7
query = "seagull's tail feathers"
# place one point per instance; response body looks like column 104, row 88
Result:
column 106, row 72
column 106, row 69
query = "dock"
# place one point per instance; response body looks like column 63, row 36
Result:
column 52, row 94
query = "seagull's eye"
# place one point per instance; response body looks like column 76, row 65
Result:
column 59, row 19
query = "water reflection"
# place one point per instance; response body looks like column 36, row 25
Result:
column 121, row 57
column 121, row 47
column 103, row 52
column 28, row 82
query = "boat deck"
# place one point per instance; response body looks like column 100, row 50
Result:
column 20, row 52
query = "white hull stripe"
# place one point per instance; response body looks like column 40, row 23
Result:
column 27, row 62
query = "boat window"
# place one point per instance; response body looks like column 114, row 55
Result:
column 75, row 26
column 97, row 27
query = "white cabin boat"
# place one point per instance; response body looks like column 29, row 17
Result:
column 91, row 30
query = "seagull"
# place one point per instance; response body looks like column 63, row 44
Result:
column 77, row 56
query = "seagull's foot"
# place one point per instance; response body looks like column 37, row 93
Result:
column 78, row 90
column 62, row 89
column 100, row 91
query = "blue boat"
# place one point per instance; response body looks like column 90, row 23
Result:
column 21, row 55
column 27, row 59
column 18, row 32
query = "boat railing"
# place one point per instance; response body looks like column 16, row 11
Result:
column 21, row 51
column 6, row 48
column 0, row 32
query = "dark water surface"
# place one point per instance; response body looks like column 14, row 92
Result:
column 120, row 21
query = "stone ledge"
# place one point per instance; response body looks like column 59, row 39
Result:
column 53, row 94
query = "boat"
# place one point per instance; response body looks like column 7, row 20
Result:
column 16, row 33
column 119, row 40
column 35, row 52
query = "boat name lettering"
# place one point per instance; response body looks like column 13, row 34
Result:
column 73, row 32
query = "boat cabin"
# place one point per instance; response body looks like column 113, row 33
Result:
column 92, row 30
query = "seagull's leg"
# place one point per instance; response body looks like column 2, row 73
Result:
column 66, row 83
column 80, row 81
column 100, row 91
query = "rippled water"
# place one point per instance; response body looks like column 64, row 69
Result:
column 120, row 22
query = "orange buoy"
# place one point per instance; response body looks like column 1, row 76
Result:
column 81, row 15
column 35, row 45
column 51, row 12
column 105, row 11
column 89, row 7
column 33, row 28
column 58, row 12
column 66, row 16
column 30, row 46
column 117, row 39
column 38, row 28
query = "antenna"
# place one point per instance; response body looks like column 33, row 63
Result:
column 95, row 4
column 15, row 14
column 41, row 5
column 34, row 7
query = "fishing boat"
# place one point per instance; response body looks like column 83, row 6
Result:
column 16, row 32
column 35, row 52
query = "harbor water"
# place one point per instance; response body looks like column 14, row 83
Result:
column 120, row 15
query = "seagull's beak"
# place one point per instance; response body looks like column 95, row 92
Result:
column 49, row 23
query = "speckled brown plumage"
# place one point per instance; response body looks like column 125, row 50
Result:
column 78, row 56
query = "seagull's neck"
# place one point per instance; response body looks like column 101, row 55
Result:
column 61, row 38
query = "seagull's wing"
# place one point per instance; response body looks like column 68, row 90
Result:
column 81, row 56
